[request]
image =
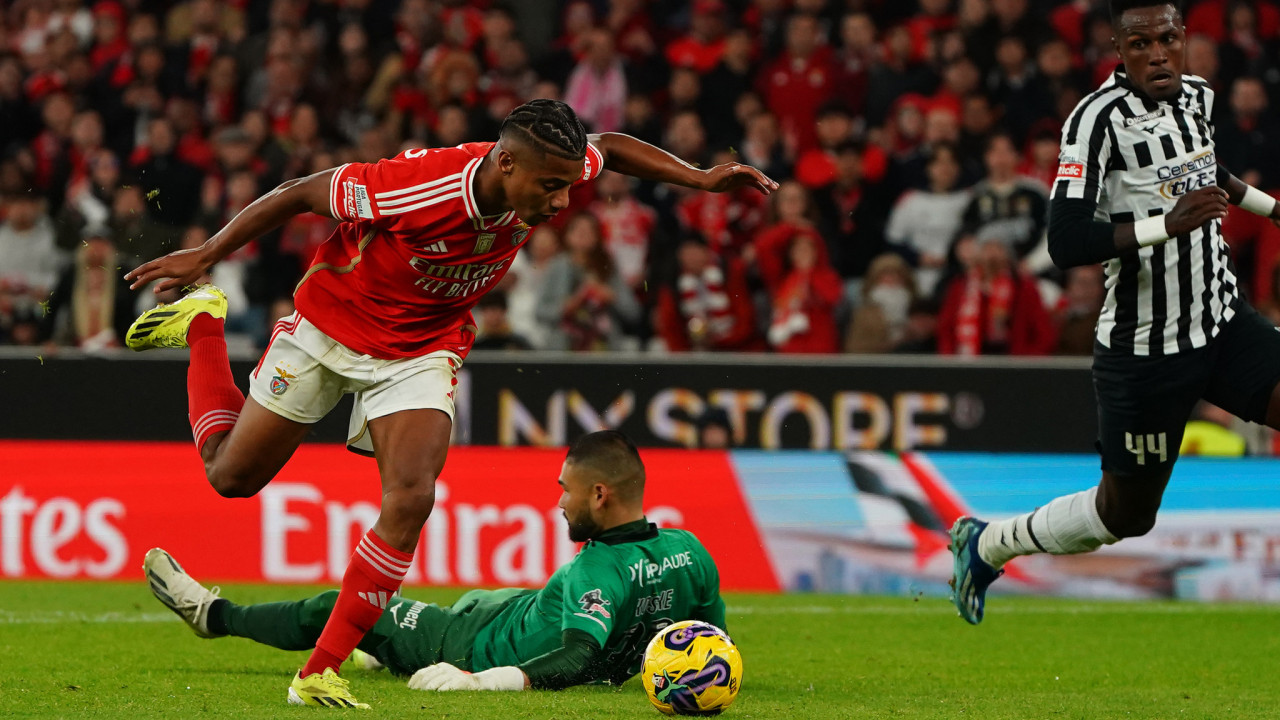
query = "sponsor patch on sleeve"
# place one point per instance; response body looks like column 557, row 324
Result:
column 356, row 200
column 1070, row 171
column 363, row 208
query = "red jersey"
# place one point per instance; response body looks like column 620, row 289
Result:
column 412, row 254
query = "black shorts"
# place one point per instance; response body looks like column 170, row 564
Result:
column 1144, row 402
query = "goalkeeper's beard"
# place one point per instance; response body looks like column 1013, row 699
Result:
column 582, row 529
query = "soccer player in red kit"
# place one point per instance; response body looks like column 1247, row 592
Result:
column 384, row 312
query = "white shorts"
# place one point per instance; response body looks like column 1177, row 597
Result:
column 304, row 373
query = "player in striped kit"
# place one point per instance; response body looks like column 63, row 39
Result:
column 1139, row 189
column 383, row 313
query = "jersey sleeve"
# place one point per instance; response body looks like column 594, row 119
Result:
column 1084, row 155
column 594, row 593
column 387, row 192
column 593, row 166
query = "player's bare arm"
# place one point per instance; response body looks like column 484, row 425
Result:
column 629, row 156
column 1250, row 198
column 185, row 267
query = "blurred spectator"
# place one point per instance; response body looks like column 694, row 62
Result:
column 714, row 429
column 88, row 200
column 91, row 307
column 584, row 300
column 1006, row 206
column 17, row 116
column 858, row 54
column 173, row 186
column 702, row 47
column 1007, row 18
column 708, row 306
column 1041, row 162
column 763, row 146
column 727, row 221
column 525, row 282
column 900, row 72
column 816, row 167
column 686, row 138
column 1015, row 85
column 799, row 81
column 597, row 88
column 791, row 212
column 879, row 323
column 729, row 80
column 494, row 332
column 993, row 309
column 855, row 211
column 29, row 258
column 627, row 225
column 924, row 223
column 805, row 303
column 136, row 236
column 1078, row 310
column 1244, row 143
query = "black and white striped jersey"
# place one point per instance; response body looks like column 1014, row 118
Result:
column 1135, row 157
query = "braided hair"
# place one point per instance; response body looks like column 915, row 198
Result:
column 549, row 125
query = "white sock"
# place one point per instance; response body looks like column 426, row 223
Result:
column 1066, row 526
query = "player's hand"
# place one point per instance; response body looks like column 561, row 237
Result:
column 184, row 267
column 731, row 176
column 443, row 677
column 1195, row 209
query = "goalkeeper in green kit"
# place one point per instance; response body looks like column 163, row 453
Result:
column 590, row 623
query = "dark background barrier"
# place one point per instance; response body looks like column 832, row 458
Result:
column 549, row 399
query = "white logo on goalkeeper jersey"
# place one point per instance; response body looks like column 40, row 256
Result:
column 377, row 599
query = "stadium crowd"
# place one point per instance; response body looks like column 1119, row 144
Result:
column 915, row 141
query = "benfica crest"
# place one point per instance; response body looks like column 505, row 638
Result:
column 521, row 232
column 280, row 382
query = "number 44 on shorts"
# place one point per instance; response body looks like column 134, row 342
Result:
column 1150, row 444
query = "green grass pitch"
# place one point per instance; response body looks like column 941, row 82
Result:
column 109, row 650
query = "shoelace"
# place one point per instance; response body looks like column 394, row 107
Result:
column 201, row 602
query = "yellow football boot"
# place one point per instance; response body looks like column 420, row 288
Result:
column 166, row 325
column 327, row 690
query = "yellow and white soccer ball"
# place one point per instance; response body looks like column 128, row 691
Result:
column 691, row 668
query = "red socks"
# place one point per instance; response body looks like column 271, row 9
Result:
column 373, row 576
column 213, row 400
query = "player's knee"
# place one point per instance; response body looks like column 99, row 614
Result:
column 1129, row 523
column 411, row 498
column 230, row 483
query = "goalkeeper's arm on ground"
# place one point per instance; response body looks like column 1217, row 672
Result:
column 566, row 666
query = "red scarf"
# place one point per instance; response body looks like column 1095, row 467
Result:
column 704, row 297
column 997, row 295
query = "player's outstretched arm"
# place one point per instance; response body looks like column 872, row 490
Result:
column 629, row 156
column 1075, row 238
column 1248, row 197
column 186, row 267
column 566, row 666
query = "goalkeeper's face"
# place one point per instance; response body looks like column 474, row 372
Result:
column 582, row 501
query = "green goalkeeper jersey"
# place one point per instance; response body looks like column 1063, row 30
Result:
column 621, row 589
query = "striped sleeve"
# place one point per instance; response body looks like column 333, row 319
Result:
column 594, row 165
column 1086, row 150
column 383, row 192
